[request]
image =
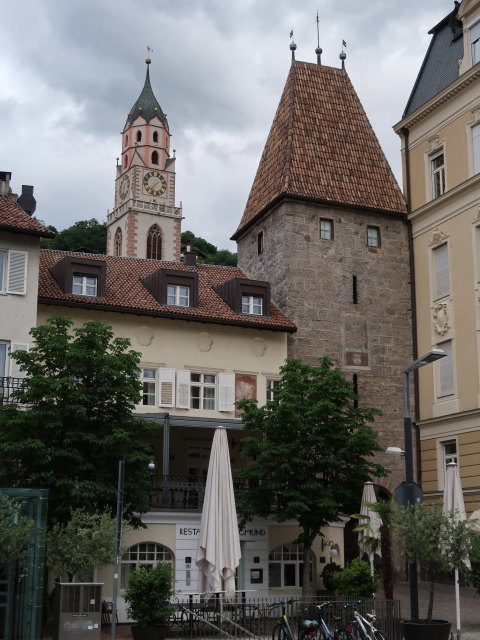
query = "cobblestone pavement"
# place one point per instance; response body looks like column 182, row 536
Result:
column 444, row 606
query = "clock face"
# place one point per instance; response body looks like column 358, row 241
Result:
column 124, row 187
column 155, row 183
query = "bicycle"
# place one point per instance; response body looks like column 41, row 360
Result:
column 343, row 632
column 363, row 627
column 283, row 631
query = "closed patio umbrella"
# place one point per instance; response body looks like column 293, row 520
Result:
column 373, row 522
column 218, row 551
column 453, row 504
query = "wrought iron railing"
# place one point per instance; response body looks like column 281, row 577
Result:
column 8, row 386
column 183, row 493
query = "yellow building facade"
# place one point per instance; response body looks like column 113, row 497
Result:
column 440, row 133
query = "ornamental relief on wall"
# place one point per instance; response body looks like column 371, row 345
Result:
column 441, row 318
column 438, row 237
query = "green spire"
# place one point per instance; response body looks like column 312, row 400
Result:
column 147, row 105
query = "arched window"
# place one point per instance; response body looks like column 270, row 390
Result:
column 117, row 242
column 155, row 136
column 285, row 566
column 154, row 243
column 154, row 157
column 139, row 136
column 144, row 554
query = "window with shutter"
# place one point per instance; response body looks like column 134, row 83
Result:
column 442, row 277
column 14, row 366
column 183, row 389
column 226, row 391
column 17, row 272
column 166, row 379
column 446, row 378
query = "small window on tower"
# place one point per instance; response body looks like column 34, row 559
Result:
column 117, row 244
column 155, row 136
column 139, row 136
column 125, row 161
column 154, row 243
column 154, row 157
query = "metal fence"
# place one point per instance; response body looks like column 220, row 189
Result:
column 255, row 618
column 7, row 387
column 182, row 492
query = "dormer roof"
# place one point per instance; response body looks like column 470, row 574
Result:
column 321, row 147
column 147, row 105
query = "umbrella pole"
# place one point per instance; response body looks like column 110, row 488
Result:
column 457, row 603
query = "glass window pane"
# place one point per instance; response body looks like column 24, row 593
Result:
column 274, row 574
column 288, row 575
column 3, row 359
column 209, row 379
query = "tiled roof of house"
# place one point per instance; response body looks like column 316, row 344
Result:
column 321, row 146
column 147, row 105
column 14, row 218
column 440, row 65
column 126, row 293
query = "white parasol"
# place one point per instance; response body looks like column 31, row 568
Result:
column 453, row 504
column 372, row 522
column 218, row 552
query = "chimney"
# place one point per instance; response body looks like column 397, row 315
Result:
column 190, row 257
column 26, row 200
column 5, row 177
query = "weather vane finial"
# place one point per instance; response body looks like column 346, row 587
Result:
column 293, row 46
column 149, row 50
column 343, row 55
column 318, row 50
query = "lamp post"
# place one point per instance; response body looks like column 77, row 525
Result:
column 118, row 539
column 431, row 356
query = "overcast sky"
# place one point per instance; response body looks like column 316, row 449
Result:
column 70, row 70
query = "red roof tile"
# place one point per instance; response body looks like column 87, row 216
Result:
column 321, row 146
column 126, row 293
column 14, row 218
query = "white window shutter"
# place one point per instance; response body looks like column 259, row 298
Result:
column 183, row 389
column 17, row 272
column 442, row 276
column 14, row 366
column 226, row 391
column 166, row 381
column 447, row 383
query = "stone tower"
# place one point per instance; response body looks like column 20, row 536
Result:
column 325, row 223
column 145, row 223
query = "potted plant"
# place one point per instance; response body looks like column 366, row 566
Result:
column 148, row 601
column 437, row 543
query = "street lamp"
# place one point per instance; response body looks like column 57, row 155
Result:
column 431, row 356
column 118, row 538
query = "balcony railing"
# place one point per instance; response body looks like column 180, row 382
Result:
column 7, row 387
column 183, row 493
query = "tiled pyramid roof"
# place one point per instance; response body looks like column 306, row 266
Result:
column 321, row 146
column 14, row 218
column 124, row 291
column 147, row 105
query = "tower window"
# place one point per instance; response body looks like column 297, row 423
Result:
column 155, row 136
column 154, row 157
column 125, row 161
column 154, row 243
column 139, row 136
column 373, row 237
column 326, row 229
column 117, row 243
column 260, row 243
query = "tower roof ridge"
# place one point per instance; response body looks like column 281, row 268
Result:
column 322, row 147
column 146, row 105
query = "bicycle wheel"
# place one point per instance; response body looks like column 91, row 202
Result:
column 280, row 633
column 309, row 635
column 343, row 634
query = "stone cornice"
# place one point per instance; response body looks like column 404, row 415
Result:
column 444, row 96
column 455, row 417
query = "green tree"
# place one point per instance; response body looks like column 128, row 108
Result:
column 80, row 545
column 209, row 254
column 355, row 580
column 85, row 235
column 315, row 453
column 15, row 533
column 81, row 388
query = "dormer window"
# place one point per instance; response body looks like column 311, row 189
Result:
column 155, row 157
column 84, row 286
column 139, row 136
column 252, row 305
column 178, row 295
column 173, row 287
column 155, row 136
column 81, row 276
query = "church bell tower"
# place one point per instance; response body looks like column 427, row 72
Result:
column 145, row 223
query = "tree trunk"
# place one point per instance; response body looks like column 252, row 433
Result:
column 387, row 563
column 307, row 585
column 430, row 600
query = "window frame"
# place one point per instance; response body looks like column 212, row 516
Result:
column 441, row 279
column 328, row 230
column 251, row 302
column 147, row 381
column 177, row 295
column 270, row 384
column 437, row 189
column 6, row 359
column 160, row 553
column 201, row 385
column 446, row 371
column 84, row 284
column 282, row 552
column 374, row 241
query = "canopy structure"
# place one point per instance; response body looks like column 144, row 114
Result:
column 372, row 523
column 453, row 505
column 218, row 552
